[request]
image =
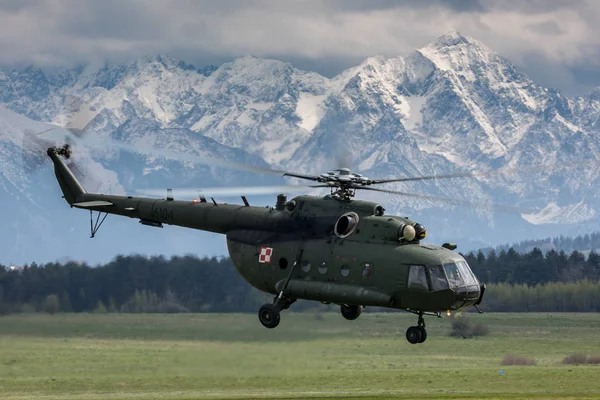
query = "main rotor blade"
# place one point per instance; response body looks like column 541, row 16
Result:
column 489, row 206
column 228, row 191
column 44, row 132
column 302, row 176
column 425, row 178
column 61, row 134
column 471, row 174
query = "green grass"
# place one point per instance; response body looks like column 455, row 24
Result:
column 115, row 356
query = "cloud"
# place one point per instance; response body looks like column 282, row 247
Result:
column 361, row 5
column 549, row 28
column 15, row 5
column 327, row 34
column 529, row 6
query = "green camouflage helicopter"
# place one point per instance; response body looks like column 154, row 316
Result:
column 331, row 249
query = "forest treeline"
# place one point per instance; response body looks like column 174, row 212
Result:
column 533, row 281
column 534, row 267
column 129, row 284
column 586, row 242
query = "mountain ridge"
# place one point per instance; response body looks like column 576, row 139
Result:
column 453, row 105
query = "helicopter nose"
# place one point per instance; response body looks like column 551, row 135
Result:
column 466, row 296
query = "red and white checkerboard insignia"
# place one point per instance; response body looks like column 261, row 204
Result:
column 265, row 255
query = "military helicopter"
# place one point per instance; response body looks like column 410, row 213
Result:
column 331, row 249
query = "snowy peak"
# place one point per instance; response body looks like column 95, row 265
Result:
column 471, row 61
column 260, row 79
column 263, row 79
column 453, row 39
column 496, row 104
column 108, row 76
column 553, row 214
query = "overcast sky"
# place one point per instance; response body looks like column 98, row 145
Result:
column 556, row 42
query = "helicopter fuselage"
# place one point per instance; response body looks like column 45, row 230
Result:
column 371, row 266
column 327, row 249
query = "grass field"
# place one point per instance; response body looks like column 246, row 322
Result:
column 116, row 356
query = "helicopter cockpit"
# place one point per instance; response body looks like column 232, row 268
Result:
column 453, row 275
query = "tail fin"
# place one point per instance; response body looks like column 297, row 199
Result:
column 69, row 185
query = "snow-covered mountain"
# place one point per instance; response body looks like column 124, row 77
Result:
column 454, row 105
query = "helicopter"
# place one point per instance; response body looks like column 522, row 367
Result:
column 332, row 249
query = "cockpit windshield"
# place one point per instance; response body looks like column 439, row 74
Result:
column 441, row 277
column 466, row 273
column 459, row 274
column 454, row 278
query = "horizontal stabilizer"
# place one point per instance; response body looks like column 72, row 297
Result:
column 95, row 203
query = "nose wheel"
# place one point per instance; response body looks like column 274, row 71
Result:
column 417, row 334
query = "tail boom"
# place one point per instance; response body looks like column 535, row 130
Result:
column 218, row 218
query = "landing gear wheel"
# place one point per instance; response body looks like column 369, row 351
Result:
column 423, row 334
column 350, row 312
column 269, row 316
column 413, row 335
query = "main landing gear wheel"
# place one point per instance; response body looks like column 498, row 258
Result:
column 417, row 334
column 413, row 335
column 269, row 316
column 423, row 334
column 350, row 312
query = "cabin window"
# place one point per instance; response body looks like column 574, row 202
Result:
column 438, row 278
column 323, row 267
column 306, row 266
column 367, row 270
column 417, row 278
column 283, row 263
column 345, row 270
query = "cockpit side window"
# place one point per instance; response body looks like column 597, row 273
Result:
column 417, row 278
column 438, row 278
